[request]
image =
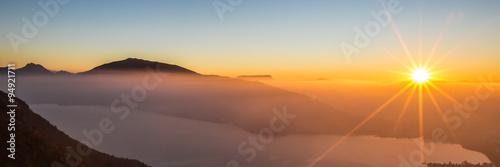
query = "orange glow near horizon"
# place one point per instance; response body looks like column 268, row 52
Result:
column 419, row 77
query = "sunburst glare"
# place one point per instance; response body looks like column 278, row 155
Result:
column 420, row 75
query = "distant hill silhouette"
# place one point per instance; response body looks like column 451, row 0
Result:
column 3, row 70
column 62, row 72
column 256, row 77
column 486, row 142
column 33, row 69
column 38, row 143
column 133, row 64
column 463, row 164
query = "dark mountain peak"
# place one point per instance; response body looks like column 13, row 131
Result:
column 32, row 68
column 33, row 65
column 134, row 59
column 135, row 64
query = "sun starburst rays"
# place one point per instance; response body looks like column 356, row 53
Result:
column 436, row 44
column 438, row 108
column 421, row 117
column 420, row 78
column 360, row 124
column 408, row 100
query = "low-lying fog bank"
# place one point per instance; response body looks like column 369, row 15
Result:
column 160, row 140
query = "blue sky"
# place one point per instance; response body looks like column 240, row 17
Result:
column 259, row 36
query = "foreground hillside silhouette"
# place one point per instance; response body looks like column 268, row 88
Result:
column 38, row 143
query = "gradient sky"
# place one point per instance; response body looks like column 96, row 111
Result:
column 289, row 39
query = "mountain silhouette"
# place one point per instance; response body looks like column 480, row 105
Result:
column 3, row 70
column 482, row 136
column 62, row 72
column 33, row 69
column 122, row 66
column 139, row 65
column 39, row 143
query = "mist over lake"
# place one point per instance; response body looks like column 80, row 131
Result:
column 161, row 141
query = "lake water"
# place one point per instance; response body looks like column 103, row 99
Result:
column 160, row 140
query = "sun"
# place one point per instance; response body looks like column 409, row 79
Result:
column 420, row 75
column 419, row 83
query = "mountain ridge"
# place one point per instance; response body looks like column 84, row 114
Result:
column 33, row 69
column 125, row 65
column 135, row 64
